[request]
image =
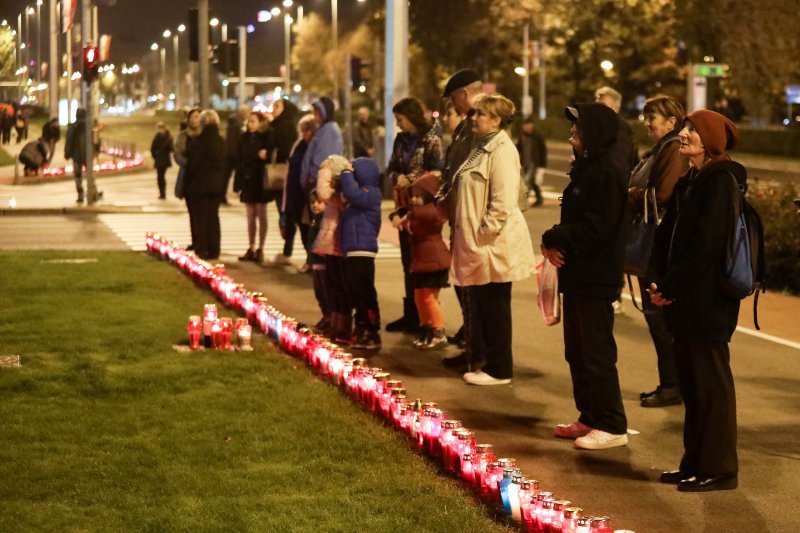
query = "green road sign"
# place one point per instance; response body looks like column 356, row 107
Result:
column 710, row 70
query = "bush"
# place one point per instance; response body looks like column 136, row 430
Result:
column 774, row 202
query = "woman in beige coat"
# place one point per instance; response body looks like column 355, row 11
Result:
column 491, row 242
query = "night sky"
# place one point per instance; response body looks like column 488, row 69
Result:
column 135, row 24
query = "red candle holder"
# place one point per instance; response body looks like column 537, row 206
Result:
column 447, row 443
column 194, row 328
column 216, row 335
column 601, row 524
column 584, row 525
column 481, row 460
column 569, row 524
column 467, row 472
column 465, row 443
column 226, row 325
column 244, row 335
column 528, row 491
column 539, row 508
column 559, row 506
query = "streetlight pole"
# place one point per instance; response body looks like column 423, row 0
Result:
column 335, row 30
column 20, row 59
column 177, row 67
column 86, row 96
column 202, row 62
column 287, row 54
column 55, row 67
column 39, row 41
column 396, row 66
column 242, row 63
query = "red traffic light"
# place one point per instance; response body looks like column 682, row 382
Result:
column 91, row 63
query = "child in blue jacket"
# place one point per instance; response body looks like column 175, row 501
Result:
column 359, row 226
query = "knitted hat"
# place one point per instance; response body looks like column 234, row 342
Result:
column 428, row 183
column 717, row 132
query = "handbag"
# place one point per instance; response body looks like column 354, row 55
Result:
column 548, row 299
column 639, row 237
column 180, row 183
column 522, row 199
column 275, row 176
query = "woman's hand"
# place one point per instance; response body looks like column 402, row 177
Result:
column 656, row 297
column 398, row 221
column 556, row 257
column 262, row 154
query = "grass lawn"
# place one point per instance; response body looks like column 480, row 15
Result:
column 5, row 158
column 107, row 428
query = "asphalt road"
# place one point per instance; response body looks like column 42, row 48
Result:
column 518, row 419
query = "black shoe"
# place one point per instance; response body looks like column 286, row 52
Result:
column 424, row 337
column 458, row 339
column 249, row 255
column 709, row 483
column 259, row 258
column 323, row 326
column 458, row 361
column 661, row 397
column 369, row 340
column 402, row 324
column 673, row 477
column 436, row 340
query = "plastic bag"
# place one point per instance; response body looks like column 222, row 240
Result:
column 549, row 299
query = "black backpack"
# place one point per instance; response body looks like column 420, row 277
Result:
column 745, row 266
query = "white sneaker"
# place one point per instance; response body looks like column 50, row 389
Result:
column 281, row 259
column 600, row 440
column 571, row 431
column 482, row 378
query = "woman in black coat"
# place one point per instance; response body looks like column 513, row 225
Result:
column 161, row 149
column 281, row 139
column 251, row 164
column 204, row 185
column 689, row 257
column 587, row 246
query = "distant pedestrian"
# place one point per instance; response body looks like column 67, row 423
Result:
column 248, row 181
column 233, row 131
column 205, row 185
column 452, row 118
column 363, row 135
column 587, row 247
column 51, row 133
column 161, row 149
column 6, row 122
column 21, row 125
column 360, row 226
column 75, row 149
column 533, row 158
column 281, row 138
column 34, row 155
column 190, row 129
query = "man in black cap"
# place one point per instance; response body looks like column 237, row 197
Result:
column 461, row 88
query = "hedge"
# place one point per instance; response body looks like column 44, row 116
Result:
column 775, row 203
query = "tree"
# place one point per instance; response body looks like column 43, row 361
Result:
column 7, row 45
column 312, row 55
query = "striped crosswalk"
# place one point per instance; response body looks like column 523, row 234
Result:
column 131, row 229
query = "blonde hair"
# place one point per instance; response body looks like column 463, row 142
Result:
column 307, row 123
column 496, row 105
column 611, row 94
column 209, row 117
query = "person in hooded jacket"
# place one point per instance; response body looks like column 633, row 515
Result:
column 205, row 185
column 359, row 226
column 189, row 130
column 587, row 246
column 281, row 138
column 689, row 257
column 248, row 181
column 75, row 149
column 327, row 141
column 295, row 206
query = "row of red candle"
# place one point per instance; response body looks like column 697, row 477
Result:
column 217, row 332
column 497, row 481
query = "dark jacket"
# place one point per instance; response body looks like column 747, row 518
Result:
column 532, row 151
column 363, row 138
column 205, row 175
column 34, row 154
column 624, row 151
column 412, row 156
column 457, row 153
column 233, row 131
column 75, row 144
column 283, row 133
column 250, row 169
column 594, row 213
column 161, row 149
column 690, row 249
column 429, row 253
column 294, row 197
column 361, row 219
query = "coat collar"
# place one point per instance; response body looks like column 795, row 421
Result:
column 490, row 146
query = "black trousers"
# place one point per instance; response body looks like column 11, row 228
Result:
column 360, row 277
column 291, row 225
column 709, row 427
column 204, row 218
column 335, row 285
column 162, row 181
column 490, row 327
column 662, row 339
column 591, row 352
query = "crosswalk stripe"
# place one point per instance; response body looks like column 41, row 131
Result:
column 131, row 228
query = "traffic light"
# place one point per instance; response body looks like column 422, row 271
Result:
column 226, row 58
column 355, row 72
column 91, row 63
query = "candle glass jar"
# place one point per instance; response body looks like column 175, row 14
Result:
column 601, row 524
column 480, row 462
column 194, row 328
column 226, row 325
column 584, row 525
column 569, row 522
column 528, row 491
column 244, row 333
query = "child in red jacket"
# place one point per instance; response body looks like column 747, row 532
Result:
column 430, row 258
